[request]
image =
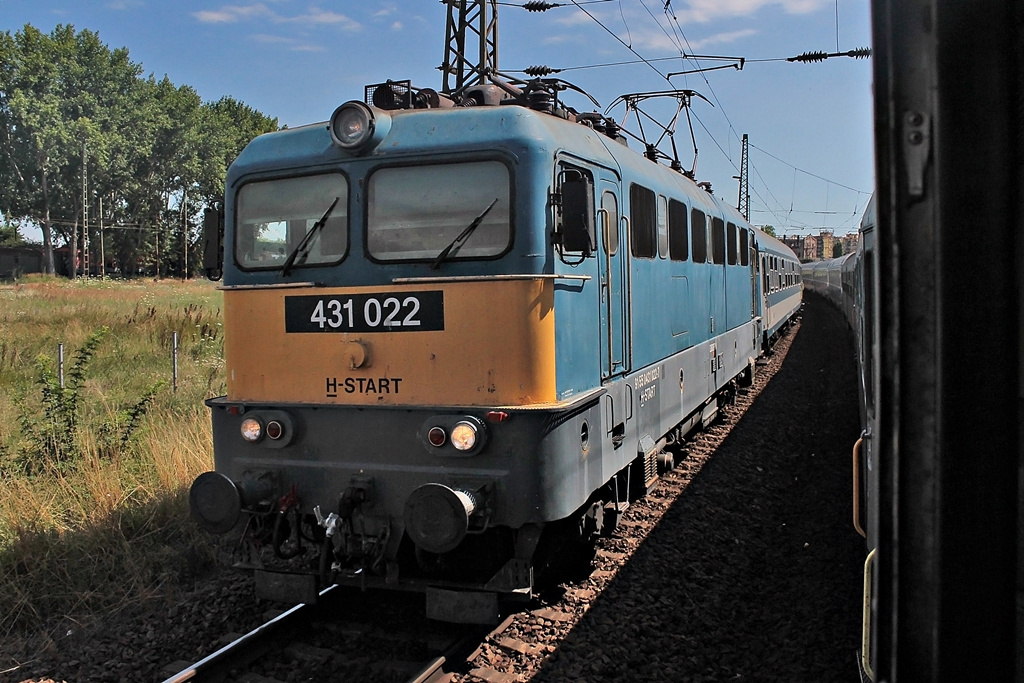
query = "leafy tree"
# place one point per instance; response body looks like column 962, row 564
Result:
column 10, row 236
column 154, row 153
column 837, row 249
column 769, row 229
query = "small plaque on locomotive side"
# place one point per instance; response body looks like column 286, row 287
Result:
column 391, row 312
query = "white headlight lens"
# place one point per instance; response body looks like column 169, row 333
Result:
column 252, row 430
column 351, row 125
column 463, row 436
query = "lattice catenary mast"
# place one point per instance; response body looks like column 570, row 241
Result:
column 469, row 19
column 743, row 203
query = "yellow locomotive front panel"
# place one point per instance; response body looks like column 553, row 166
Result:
column 393, row 345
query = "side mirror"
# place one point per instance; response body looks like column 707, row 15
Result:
column 578, row 232
column 213, row 243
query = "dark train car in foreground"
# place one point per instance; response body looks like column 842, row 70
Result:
column 935, row 299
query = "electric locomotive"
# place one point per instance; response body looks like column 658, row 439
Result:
column 458, row 338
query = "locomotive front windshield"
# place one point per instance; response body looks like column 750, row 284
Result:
column 417, row 212
column 275, row 216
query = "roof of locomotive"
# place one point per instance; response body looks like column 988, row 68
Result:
column 513, row 129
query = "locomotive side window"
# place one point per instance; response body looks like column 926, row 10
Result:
column 274, row 216
column 718, row 240
column 662, row 226
column 744, row 249
column 643, row 221
column 416, row 212
column 730, row 243
column 678, row 245
column 698, row 234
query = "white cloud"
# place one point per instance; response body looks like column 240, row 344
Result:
column 397, row 26
column 722, row 38
column 703, row 11
column 314, row 16
column 267, row 38
column 119, row 5
column 317, row 16
column 230, row 14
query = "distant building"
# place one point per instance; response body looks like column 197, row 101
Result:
column 17, row 261
column 804, row 246
column 826, row 245
column 851, row 242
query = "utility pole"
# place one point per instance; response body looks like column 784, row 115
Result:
column 85, row 211
column 103, row 256
column 184, row 234
column 475, row 21
column 743, row 204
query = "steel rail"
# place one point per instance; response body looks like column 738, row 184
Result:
column 215, row 666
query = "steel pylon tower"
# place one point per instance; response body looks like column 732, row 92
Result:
column 743, row 204
column 472, row 27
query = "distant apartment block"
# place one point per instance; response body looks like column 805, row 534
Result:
column 824, row 245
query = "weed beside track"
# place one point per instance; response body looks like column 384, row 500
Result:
column 95, row 461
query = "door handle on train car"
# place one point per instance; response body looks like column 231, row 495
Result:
column 857, row 487
column 865, row 629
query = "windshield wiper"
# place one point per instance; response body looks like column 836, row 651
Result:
column 462, row 237
column 303, row 246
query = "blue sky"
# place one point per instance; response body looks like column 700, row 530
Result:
column 809, row 125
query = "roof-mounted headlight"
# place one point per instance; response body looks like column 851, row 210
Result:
column 354, row 125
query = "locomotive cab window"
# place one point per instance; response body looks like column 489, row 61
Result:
column 418, row 212
column 576, row 232
column 730, row 243
column 274, row 218
column 744, row 255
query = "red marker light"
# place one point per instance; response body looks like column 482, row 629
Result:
column 497, row 416
column 437, row 437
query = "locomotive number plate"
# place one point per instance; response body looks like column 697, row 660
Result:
column 392, row 312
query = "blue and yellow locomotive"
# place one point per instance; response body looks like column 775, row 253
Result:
column 459, row 336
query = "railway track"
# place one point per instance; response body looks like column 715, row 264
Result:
column 317, row 642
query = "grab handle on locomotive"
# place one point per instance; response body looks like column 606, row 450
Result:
column 865, row 636
column 857, row 487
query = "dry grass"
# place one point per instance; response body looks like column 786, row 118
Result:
column 106, row 526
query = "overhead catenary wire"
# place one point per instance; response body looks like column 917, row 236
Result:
column 577, row 3
column 678, row 38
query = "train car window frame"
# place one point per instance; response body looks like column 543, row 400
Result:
column 291, row 207
column 437, row 197
column 717, row 241
column 662, row 226
column 698, row 236
column 744, row 247
column 731, row 242
column 678, row 231
column 643, row 217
